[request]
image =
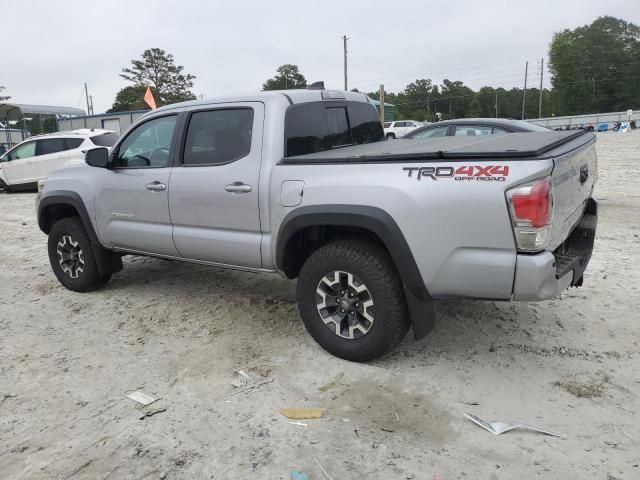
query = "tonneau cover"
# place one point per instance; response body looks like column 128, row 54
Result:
column 508, row 146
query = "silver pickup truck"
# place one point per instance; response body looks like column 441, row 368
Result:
column 302, row 183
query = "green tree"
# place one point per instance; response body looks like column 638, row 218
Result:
column 596, row 67
column 288, row 77
column 157, row 69
column 129, row 98
column 3, row 98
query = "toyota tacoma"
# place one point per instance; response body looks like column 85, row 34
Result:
column 302, row 183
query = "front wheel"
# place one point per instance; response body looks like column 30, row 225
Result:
column 351, row 301
column 71, row 256
column 390, row 136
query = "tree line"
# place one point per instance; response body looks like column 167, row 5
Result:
column 594, row 68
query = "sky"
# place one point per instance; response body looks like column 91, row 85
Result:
column 233, row 47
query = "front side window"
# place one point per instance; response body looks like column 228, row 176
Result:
column 400, row 124
column 51, row 145
column 149, row 145
column 431, row 133
column 387, row 124
column 217, row 137
column 25, row 150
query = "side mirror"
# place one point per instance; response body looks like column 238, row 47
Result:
column 97, row 157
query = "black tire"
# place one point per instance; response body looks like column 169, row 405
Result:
column 390, row 136
column 373, row 267
column 83, row 276
column 4, row 187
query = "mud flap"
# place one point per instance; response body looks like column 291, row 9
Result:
column 107, row 261
column 421, row 312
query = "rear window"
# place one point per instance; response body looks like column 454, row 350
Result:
column 319, row 126
column 105, row 139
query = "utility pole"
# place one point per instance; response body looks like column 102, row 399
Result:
column 540, row 100
column 86, row 94
column 496, row 103
column 91, row 103
column 344, row 41
column 524, row 92
column 382, row 103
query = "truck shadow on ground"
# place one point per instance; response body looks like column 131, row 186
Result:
column 463, row 327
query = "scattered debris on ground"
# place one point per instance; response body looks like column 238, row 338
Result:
column 151, row 413
column 300, row 413
column 498, row 428
column 140, row 397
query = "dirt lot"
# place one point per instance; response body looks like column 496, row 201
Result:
column 179, row 331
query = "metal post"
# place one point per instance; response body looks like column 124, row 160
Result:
column 540, row 100
column 496, row 103
column 344, row 41
column 91, row 103
column 382, row 104
column 524, row 92
column 86, row 94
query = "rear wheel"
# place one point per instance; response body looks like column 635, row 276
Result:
column 351, row 300
column 390, row 136
column 4, row 187
column 71, row 256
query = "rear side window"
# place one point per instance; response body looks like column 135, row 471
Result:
column 105, row 139
column 73, row 142
column 319, row 126
column 430, row 133
column 51, row 145
column 472, row 131
column 217, row 137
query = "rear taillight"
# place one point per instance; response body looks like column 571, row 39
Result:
column 531, row 209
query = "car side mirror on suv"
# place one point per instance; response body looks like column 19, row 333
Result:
column 97, row 157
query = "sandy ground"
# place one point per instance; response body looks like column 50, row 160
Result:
column 179, row 331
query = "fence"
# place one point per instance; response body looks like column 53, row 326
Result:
column 593, row 118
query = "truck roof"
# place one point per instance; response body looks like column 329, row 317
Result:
column 512, row 146
column 290, row 96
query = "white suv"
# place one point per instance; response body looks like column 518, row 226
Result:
column 33, row 159
column 399, row 128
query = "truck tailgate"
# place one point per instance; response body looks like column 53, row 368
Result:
column 573, row 178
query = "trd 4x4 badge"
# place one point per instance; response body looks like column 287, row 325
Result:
column 481, row 173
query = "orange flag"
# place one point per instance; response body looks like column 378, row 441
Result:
column 148, row 97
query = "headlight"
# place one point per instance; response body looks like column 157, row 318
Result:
column 41, row 184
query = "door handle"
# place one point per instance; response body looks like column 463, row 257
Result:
column 156, row 186
column 237, row 187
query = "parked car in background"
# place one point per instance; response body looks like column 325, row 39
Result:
column 474, row 127
column 33, row 159
column 400, row 128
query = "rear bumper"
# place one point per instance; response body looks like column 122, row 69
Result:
column 544, row 275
